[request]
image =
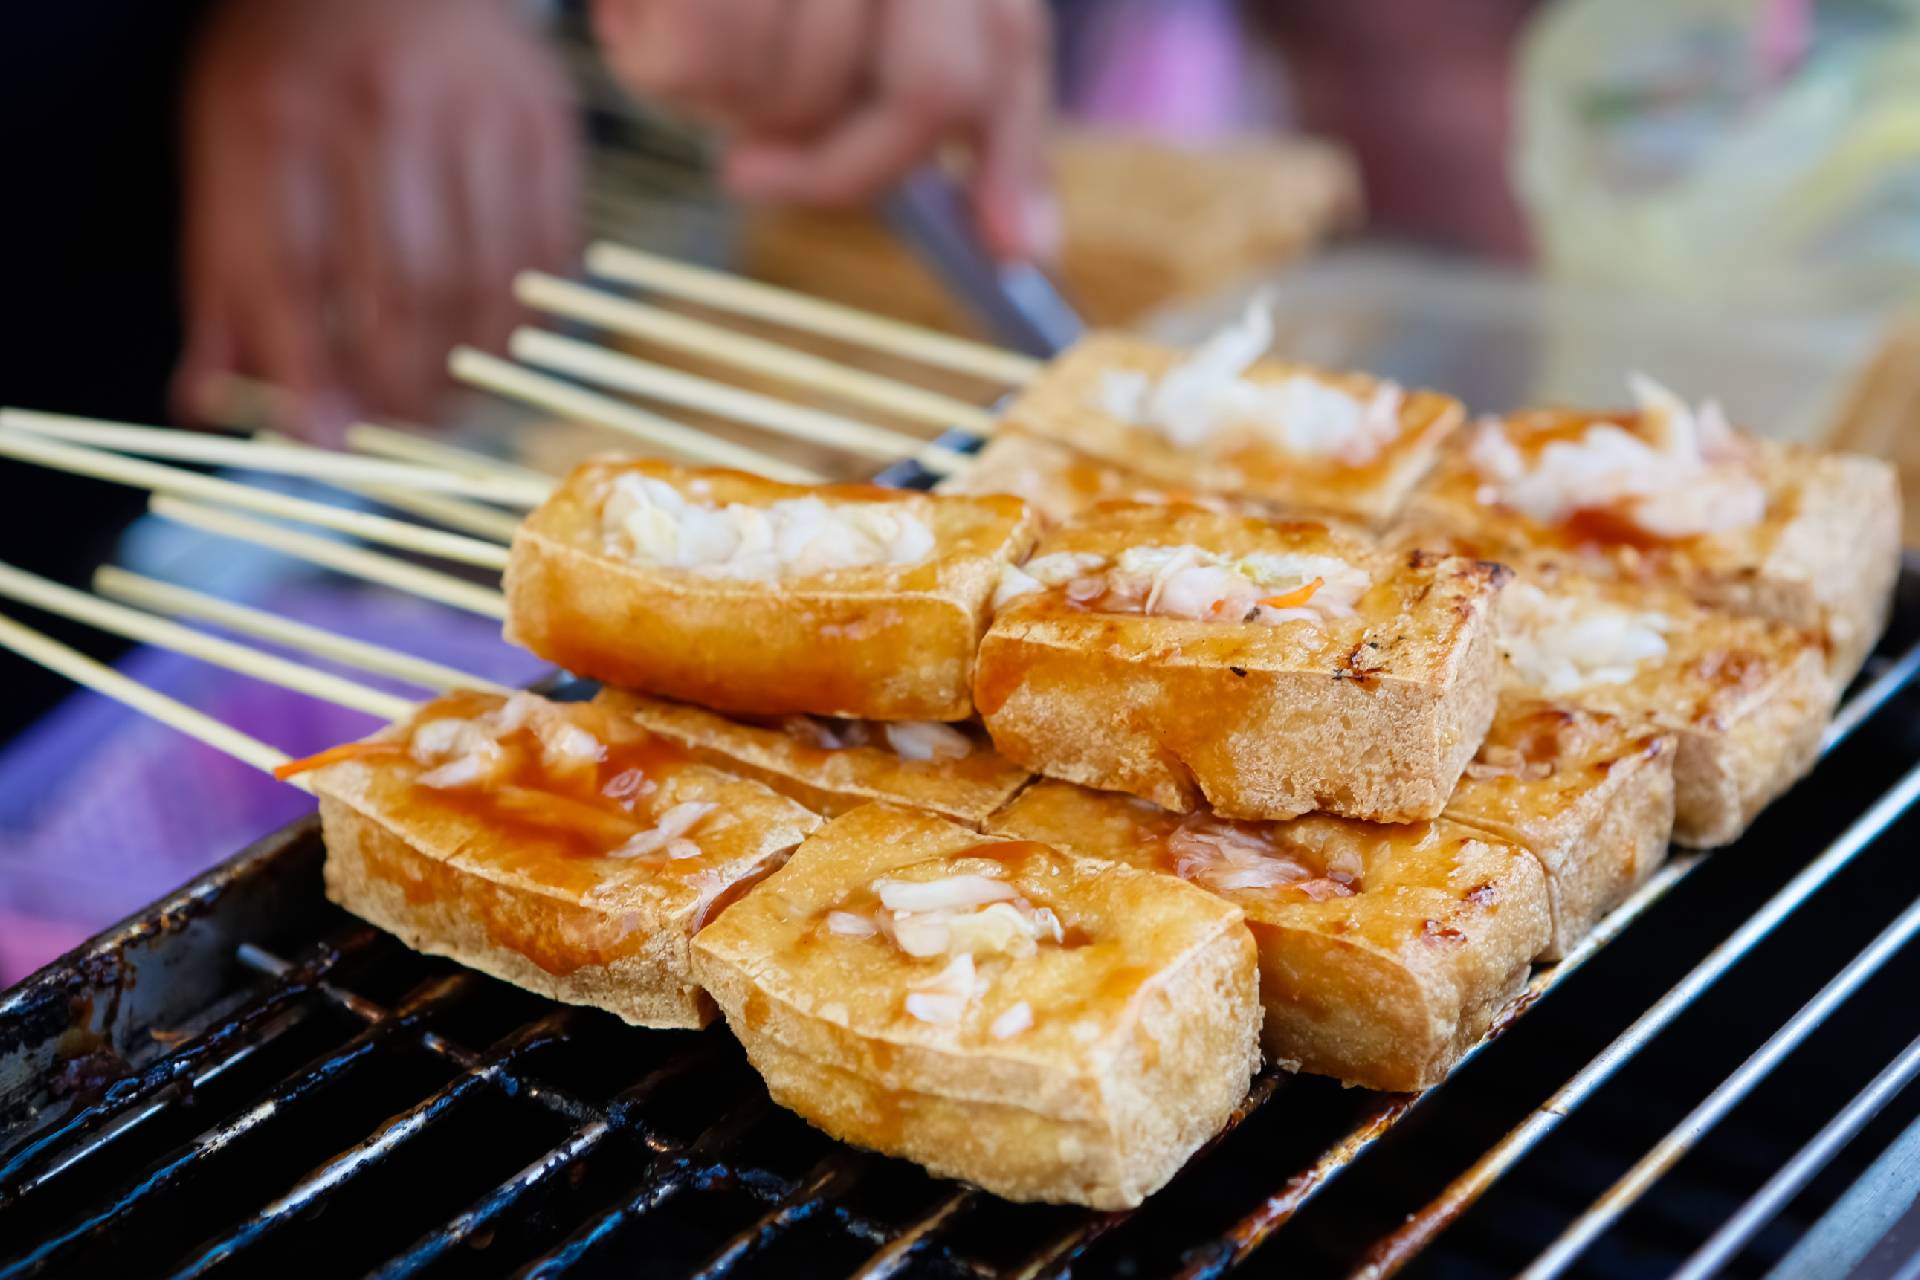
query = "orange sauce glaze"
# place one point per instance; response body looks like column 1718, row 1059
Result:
column 551, row 811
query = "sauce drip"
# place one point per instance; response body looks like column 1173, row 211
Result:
column 534, row 805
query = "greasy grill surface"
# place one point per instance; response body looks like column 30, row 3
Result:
column 246, row 1080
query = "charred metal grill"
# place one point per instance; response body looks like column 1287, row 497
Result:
column 244, row 1079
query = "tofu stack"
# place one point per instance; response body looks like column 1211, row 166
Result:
column 1227, row 707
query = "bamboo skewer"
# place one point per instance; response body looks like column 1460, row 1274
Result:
column 503, row 377
column 572, row 301
column 177, row 601
column 473, row 518
column 102, row 679
column 141, row 474
column 318, row 464
column 639, row 377
column 151, row 629
column 405, row 446
column 341, row 557
column 796, row 310
column 468, row 517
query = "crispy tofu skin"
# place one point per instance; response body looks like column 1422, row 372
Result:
column 1371, row 715
column 1824, row 558
column 831, row 781
column 510, row 877
column 1054, row 480
column 883, row 642
column 1589, row 795
column 1065, row 403
column 1745, row 698
column 1139, row 1035
column 1385, row 957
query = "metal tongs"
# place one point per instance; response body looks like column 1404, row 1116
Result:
column 1017, row 303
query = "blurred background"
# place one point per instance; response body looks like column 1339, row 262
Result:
column 281, row 214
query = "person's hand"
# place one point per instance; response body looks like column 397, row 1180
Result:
column 363, row 179
column 831, row 101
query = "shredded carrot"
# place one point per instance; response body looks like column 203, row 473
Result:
column 1295, row 598
column 334, row 755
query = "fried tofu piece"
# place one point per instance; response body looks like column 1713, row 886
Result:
column 1385, row 950
column 1589, row 795
column 1746, row 698
column 554, row 846
column 834, row 766
column 1670, row 496
column 1183, row 655
column 1293, row 439
column 1046, row 1026
column 744, row 594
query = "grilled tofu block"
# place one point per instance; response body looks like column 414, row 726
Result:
column 1589, row 795
column 1219, row 420
column 1673, row 496
column 555, row 846
column 832, row 766
column 744, row 594
column 1745, row 698
column 1385, row 950
column 1047, row 1026
column 1183, row 655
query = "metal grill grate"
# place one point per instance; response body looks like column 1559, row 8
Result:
column 246, row 1080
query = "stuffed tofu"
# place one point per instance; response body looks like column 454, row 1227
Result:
column 554, row 846
column 1673, row 495
column 1045, row 1025
column 1385, row 950
column 1745, row 698
column 831, row 766
column 744, row 594
column 1223, row 420
column 1187, row 657
column 1589, row 795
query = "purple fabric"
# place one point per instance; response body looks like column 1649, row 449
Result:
column 103, row 810
column 1177, row 67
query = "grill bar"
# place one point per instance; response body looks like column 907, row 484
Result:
column 114, row 1116
column 1760, row 1209
column 1397, row 1249
column 830, row 1178
column 378, row 1148
column 316, row 1079
column 896, row 1255
column 1641, row 1178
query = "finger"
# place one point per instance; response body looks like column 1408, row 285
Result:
column 825, row 49
column 933, row 79
column 681, row 52
column 550, row 139
column 280, row 329
column 1012, row 189
column 495, row 220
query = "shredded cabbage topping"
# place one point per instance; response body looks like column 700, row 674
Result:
column 649, row 521
column 1694, row 475
column 915, row 740
column 965, row 918
column 1192, row 582
column 1559, row 644
column 1223, row 855
column 1206, row 395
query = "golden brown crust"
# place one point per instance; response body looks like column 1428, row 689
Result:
column 1141, row 1042
column 1370, row 716
column 1745, row 698
column 1383, row 986
column 1591, row 796
column 886, row 643
column 516, row 897
column 1065, row 404
column 1824, row 558
column 1053, row 479
column 831, row 781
